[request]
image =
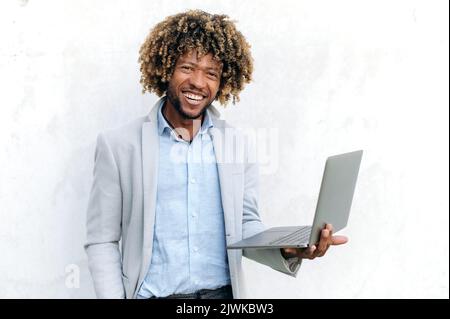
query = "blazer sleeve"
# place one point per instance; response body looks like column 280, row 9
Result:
column 103, row 224
column 252, row 225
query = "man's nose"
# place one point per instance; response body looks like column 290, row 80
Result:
column 198, row 79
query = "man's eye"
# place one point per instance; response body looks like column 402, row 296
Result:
column 185, row 67
column 214, row 75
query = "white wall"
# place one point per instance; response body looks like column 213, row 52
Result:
column 330, row 76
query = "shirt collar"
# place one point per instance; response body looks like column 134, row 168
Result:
column 162, row 123
column 207, row 122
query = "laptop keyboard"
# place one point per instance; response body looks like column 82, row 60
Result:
column 298, row 237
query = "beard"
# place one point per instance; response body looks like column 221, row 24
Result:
column 175, row 101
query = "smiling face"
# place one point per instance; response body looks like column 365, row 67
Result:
column 194, row 84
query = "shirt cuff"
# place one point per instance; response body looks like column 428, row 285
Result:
column 291, row 263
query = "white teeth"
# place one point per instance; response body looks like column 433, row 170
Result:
column 193, row 96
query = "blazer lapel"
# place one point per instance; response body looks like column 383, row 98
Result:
column 225, row 171
column 227, row 192
column 150, row 160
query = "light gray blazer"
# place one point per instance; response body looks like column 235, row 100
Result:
column 121, row 207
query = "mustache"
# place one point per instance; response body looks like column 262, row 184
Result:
column 195, row 91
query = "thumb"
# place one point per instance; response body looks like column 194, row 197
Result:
column 338, row 240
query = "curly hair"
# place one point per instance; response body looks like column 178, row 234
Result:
column 201, row 31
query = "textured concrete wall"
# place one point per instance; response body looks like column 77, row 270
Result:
column 330, row 77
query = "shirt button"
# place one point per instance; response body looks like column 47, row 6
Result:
column 195, row 249
column 194, row 215
column 193, row 180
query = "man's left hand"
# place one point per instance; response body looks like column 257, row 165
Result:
column 319, row 250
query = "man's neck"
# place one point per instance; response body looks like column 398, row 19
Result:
column 185, row 128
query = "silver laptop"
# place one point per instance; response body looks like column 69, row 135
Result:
column 333, row 207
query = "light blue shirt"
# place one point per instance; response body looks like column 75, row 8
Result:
column 189, row 247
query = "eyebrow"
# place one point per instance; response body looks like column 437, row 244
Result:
column 182, row 61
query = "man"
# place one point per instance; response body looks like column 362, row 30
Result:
column 161, row 185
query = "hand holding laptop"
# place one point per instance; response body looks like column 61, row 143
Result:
column 326, row 240
column 332, row 212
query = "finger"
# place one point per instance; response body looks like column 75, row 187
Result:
column 309, row 252
column 322, row 253
column 324, row 241
column 318, row 253
column 338, row 240
column 330, row 228
column 330, row 238
column 327, row 242
column 305, row 252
